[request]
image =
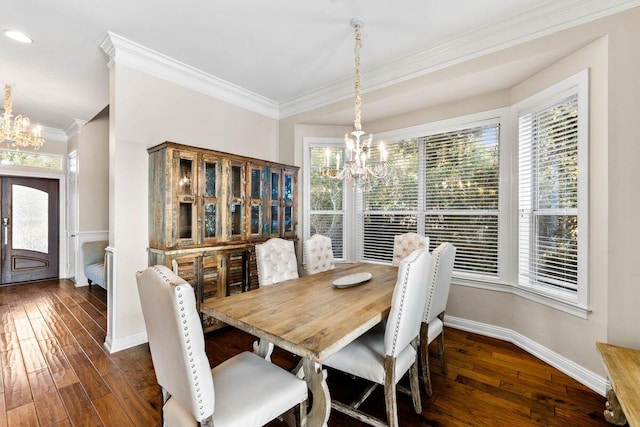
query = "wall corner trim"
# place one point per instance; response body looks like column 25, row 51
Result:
column 116, row 345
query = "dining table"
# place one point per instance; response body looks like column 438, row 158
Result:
column 313, row 317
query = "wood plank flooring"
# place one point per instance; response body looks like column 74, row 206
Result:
column 55, row 372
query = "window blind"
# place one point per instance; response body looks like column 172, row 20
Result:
column 548, row 196
column 445, row 186
column 391, row 205
column 326, row 199
column 462, row 195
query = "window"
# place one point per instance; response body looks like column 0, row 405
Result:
column 550, row 207
column 36, row 160
column 392, row 206
column 514, row 203
column 326, row 209
column 444, row 185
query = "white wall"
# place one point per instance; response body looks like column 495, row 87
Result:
column 146, row 111
column 93, row 174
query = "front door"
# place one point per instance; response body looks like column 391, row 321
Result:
column 29, row 229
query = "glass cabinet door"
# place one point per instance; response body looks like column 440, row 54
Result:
column 209, row 188
column 184, row 164
column 274, row 193
column 236, row 180
column 289, row 187
column 255, row 190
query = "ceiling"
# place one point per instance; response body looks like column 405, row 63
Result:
column 287, row 51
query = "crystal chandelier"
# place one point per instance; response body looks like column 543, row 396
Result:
column 15, row 131
column 357, row 148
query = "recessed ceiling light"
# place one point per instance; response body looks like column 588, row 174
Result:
column 18, row 36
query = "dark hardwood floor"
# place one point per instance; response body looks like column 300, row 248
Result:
column 55, row 372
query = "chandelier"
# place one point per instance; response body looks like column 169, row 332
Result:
column 15, row 131
column 357, row 148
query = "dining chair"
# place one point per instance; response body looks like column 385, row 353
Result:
column 249, row 391
column 404, row 244
column 432, row 327
column 384, row 356
column 276, row 261
column 318, row 254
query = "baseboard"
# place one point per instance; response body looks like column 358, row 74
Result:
column 579, row 373
column 119, row 344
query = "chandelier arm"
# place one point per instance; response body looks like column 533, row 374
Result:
column 15, row 130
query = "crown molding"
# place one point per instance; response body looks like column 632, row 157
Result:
column 553, row 17
column 54, row 135
column 134, row 55
column 74, row 128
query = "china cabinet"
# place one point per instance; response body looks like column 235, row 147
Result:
column 208, row 209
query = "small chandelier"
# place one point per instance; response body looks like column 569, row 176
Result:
column 15, row 131
column 357, row 149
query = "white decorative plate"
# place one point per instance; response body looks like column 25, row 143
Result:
column 352, row 280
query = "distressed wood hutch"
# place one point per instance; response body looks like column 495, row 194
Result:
column 207, row 209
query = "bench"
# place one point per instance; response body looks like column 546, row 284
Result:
column 93, row 262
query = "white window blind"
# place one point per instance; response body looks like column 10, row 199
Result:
column 326, row 214
column 444, row 186
column 391, row 205
column 548, row 196
column 462, row 195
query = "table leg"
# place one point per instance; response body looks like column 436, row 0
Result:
column 316, row 379
column 613, row 412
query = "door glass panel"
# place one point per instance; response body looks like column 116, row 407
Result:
column 288, row 187
column 210, row 220
column 185, row 176
column 275, row 178
column 236, row 175
column 255, row 183
column 236, row 219
column 30, row 219
column 255, row 219
column 210, row 179
column 274, row 219
column 287, row 218
column 185, row 220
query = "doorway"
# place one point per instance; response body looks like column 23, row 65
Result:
column 29, row 229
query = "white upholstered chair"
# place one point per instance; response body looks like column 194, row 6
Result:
column 318, row 254
column 249, row 391
column 384, row 356
column 404, row 244
column 439, row 280
column 276, row 261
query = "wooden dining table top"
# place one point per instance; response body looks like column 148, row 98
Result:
column 308, row 316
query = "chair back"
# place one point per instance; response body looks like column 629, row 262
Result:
column 439, row 280
column 276, row 261
column 407, row 303
column 318, row 254
column 176, row 340
column 404, row 244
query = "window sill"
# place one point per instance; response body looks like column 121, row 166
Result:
column 530, row 294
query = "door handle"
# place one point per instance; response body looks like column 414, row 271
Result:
column 5, row 229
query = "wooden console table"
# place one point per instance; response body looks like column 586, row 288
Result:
column 623, row 368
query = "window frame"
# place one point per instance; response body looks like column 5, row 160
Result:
column 348, row 250
column 497, row 116
column 573, row 302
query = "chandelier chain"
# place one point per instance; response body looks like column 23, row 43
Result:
column 356, row 165
column 358, row 85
